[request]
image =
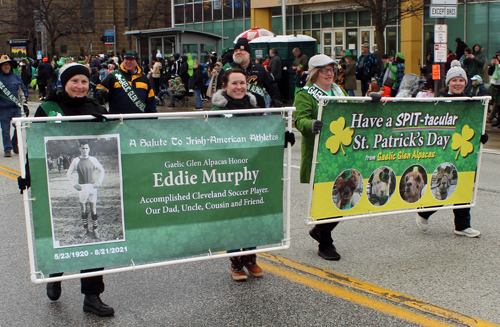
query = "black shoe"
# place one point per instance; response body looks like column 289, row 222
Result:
column 54, row 291
column 314, row 234
column 93, row 303
column 497, row 123
column 15, row 148
column 328, row 252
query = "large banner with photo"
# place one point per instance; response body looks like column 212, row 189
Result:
column 375, row 157
column 112, row 194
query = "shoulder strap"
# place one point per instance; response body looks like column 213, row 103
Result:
column 129, row 90
column 51, row 109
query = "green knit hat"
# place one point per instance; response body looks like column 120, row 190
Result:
column 400, row 55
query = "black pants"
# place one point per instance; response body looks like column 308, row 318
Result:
column 325, row 232
column 156, row 85
column 462, row 217
column 89, row 285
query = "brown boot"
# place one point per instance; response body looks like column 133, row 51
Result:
column 237, row 271
column 250, row 261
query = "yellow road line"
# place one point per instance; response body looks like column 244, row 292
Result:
column 352, row 289
column 10, row 170
column 8, row 175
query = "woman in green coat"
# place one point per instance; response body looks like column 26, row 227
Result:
column 319, row 83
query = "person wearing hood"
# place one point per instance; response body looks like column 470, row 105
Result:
column 176, row 65
column 494, row 73
column 397, row 67
column 476, row 88
column 72, row 101
column 197, row 84
column 183, row 70
column 234, row 96
column 456, row 81
column 475, row 61
column 10, row 88
column 459, row 52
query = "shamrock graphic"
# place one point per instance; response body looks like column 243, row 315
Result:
column 341, row 135
column 461, row 141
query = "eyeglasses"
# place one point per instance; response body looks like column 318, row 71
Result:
column 326, row 70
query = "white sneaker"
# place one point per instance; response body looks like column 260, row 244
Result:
column 422, row 223
column 469, row 232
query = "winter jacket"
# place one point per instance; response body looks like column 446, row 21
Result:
column 475, row 65
column 156, row 73
column 258, row 82
column 366, row 66
column 276, row 67
column 460, row 49
column 42, row 77
column 119, row 101
column 222, row 101
column 12, row 82
column 306, row 113
column 350, row 75
column 70, row 106
column 197, row 79
column 302, row 61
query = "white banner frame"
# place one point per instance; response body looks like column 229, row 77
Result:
column 38, row 277
column 324, row 99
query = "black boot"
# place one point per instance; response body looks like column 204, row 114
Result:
column 94, row 226
column 314, row 233
column 54, row 289
column 93, row 303
column 328, row 252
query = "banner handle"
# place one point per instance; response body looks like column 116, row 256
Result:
column 210, row 254
column 133, row 264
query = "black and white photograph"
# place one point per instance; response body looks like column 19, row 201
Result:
column 84, row 178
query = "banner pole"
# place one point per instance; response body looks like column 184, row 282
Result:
column 288, row 182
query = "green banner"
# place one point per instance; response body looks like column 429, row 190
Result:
column 375, row 157
column 107, row 194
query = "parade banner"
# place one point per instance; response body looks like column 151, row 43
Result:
column 374, row 157
column 116, row 194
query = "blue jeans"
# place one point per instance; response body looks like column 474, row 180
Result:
column 350, row 93
column 199, row 103
column 6, row 116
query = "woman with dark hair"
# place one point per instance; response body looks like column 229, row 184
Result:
column 234, row 95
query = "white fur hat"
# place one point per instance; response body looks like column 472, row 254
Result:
column 455, row 70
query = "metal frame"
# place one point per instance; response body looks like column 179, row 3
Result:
column 324, row 100
column 37, row 277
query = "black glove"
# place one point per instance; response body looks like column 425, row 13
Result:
column 316, row 126
column 289, row 138
column 276, row 104
column 26, row 110
column 375, row 96
column 99, row 118
column 100, row 95
column 24, row 183
column 484, row 138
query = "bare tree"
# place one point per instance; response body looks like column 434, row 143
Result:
column 389, row 12
column 154, row 14
column 61, row 18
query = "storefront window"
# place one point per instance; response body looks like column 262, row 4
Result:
column 247, row 9
column 297, row 22
column 365, row 18
column 207, row 11
column 477, row 24
column 228, row 9
column 217, row 4
column 189, row 13
column 456, row 27
column 317, row 35
column 352, row 18
column 339, row 19
column 277, row 25
column 179, row 14
column 327, row 20
column 238, row 9
column 494, row 33
column 316, row 21
column 391, row 40
column 198, row 12
column 429, row 40
column 306, row 21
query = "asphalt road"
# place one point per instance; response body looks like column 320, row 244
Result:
column 390, row 274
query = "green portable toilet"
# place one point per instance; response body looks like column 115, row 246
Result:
column 284, row 44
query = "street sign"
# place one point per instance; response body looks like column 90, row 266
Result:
column 39, row 55
column 436, row 72
column 109, row 37
column 440, row 52
column 443, row 12
column 444, row 2
column 440, row 33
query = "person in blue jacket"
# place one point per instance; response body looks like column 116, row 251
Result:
column 10, row 105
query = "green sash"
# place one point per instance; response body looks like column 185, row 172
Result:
column 9, row 95
column 316, row 92
column 129, row 90
column 52, row 109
